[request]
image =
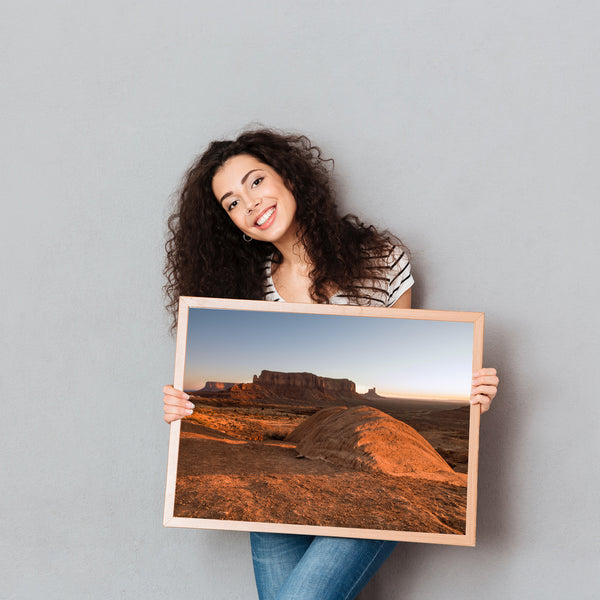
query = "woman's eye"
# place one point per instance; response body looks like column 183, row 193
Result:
column 257, row 181
column 232, row 205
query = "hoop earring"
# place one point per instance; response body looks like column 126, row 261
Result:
column 246, row 238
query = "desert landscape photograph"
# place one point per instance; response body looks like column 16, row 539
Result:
column 325, row 420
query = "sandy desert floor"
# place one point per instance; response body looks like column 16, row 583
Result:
column 237, row 466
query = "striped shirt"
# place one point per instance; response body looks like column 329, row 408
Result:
column 394, row 267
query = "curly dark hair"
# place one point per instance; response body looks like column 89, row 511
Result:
column 206, row 255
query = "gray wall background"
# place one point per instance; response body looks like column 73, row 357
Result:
column 469, row 128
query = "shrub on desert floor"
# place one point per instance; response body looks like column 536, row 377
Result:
column 276, row 432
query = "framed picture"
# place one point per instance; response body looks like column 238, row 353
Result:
column 326, row 420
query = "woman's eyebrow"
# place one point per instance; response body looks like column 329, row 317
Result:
column 247, row 174
column 242, row 182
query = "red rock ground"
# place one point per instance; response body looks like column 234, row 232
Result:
column 235, row 465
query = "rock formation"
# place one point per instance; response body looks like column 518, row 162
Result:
column 367, row 439
column 372, row 394
column 274, row 379
column 273, row 387
column 217, row 386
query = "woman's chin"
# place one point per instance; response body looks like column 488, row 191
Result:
column 272, row 234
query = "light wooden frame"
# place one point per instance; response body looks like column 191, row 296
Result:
column 466, row 539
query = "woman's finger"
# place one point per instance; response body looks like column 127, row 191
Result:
column 169, row 418
column 486, row 376
column 487, row 390
column 172, row 413
column 176, row 404
column 489, row 381
column 485, row 371
column 178, row 409
column 169, row 390
column 482, row 400
column 484, row 387
column 179, row 402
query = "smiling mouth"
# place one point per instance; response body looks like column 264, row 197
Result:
column 265, row 218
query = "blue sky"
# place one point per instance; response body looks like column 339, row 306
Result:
column 400, row 357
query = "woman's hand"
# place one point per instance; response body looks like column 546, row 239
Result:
column 176, row 404
column 484, row 387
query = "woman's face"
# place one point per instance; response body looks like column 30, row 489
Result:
column 256, row 199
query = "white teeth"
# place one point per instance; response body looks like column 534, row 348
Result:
column 264, row 218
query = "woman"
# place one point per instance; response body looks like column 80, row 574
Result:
column 256, row 219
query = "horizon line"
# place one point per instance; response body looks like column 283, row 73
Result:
column 441, row 398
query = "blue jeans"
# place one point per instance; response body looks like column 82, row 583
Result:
column 303, row 567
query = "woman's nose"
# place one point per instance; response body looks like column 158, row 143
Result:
column 251, row 204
